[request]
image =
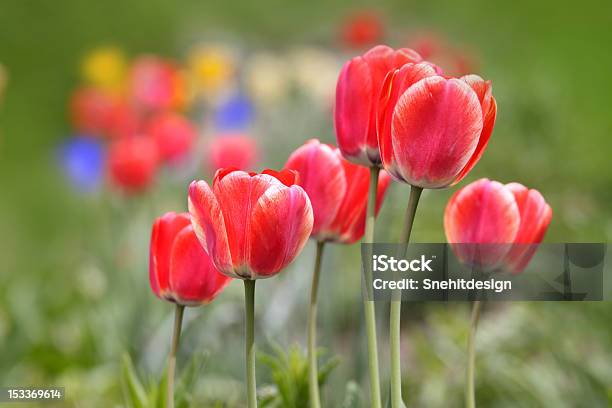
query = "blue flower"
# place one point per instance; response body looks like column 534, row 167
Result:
column 82, row 161
column 234, row 113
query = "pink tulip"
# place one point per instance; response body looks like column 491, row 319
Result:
column 488, row 212
column 357, row 95
column 337, row 189
column 432, row 130
column 252, row 225
column 180, row 271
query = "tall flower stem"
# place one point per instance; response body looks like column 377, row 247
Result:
column 176, row 336
column 249, row 306
column 313, row 372
column 396, row 308
column 369, row 310
column 470, row 393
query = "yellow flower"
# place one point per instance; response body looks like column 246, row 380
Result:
column 104, row 67
column 211, row 68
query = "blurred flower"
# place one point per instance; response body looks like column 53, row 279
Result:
column 155, row 84
column 252, row 225
column 174, row 135
column 105, row 68
column 267, row 78
column 124, row 120
column 234, row 113
column 338, row 191
column 132, row 163
column 488, row 212
column 232, row 150
column 82, row 161
column 180, row 270
column 211, row 68
column 362, row 29
column 435, row 48
column 91, row 111
column 316, row 72
column 432, row 130
column 357, row 94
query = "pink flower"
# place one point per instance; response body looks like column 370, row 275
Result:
column 432, row 130
column 174, row 135
column 357, row 95
column 180, row 270
column 338, row 191
column 488, row 212
column 252, row 225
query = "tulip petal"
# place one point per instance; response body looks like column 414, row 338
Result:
column 286, row 176
column 394, row 86
column 489, row 107
column 194, row 280
column 349, row 224
column 237, row 192
column 280, row 225
column 353, row 108
column 482, row 212
column 435, row 129
column 535, row 218
column 321, row 175
column 163, row 234
column 209, row 225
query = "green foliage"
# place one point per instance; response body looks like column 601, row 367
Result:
column 151, row 393
column 289, row 371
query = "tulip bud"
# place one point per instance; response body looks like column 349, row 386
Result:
column 252, row 225
column 180, row 270
column 132, row 163
column 432, row 130
column 357, row 95
column 488, row 212
column 338, row 191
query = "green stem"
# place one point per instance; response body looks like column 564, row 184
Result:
column 470, row 394
column 396, row 308
column 369, row 308
column 176, row 336
column 313, row 373
column 249, row 305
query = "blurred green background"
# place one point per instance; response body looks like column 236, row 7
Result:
column 68, row 310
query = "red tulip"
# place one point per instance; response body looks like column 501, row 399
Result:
column 488, row 212
column 179, row 269
column 357, row 96
column 154, row 84
column 432, row 130
column 232, row 150
column 252, row 225
column 91, row 111
column 362, row 29
column 132, row 163
column 337, row 189
column 174, row 135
